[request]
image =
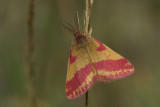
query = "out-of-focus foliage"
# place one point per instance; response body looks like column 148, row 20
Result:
column 130, row 27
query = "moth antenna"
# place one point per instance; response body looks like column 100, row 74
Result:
column 69, row 27
column 76, row 21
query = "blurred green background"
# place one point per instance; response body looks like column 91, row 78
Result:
column 130, row 27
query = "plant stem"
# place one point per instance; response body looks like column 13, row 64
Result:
column 86, row 99
column 87, row 16
column 87, row 29
column 29, row 63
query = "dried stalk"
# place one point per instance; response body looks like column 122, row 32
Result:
column 29, row 63
column 87, row 29
column 87, row 19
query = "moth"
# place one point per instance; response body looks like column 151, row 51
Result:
column 90, row 61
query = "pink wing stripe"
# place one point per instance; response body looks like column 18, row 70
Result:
column 113, row 65
column 78, row 79
column 101, row 46
column 72, row 59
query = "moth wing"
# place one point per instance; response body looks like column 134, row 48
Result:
column 108, row 64
column 93, row 61
column 80, row 74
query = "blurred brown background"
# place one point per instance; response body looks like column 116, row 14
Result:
column 130, row 27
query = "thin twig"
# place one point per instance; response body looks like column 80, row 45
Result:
column 29, row 64
column 87, row 29
column 86, row 99
column 87, row 19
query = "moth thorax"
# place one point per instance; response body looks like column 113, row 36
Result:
column 80, row 38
